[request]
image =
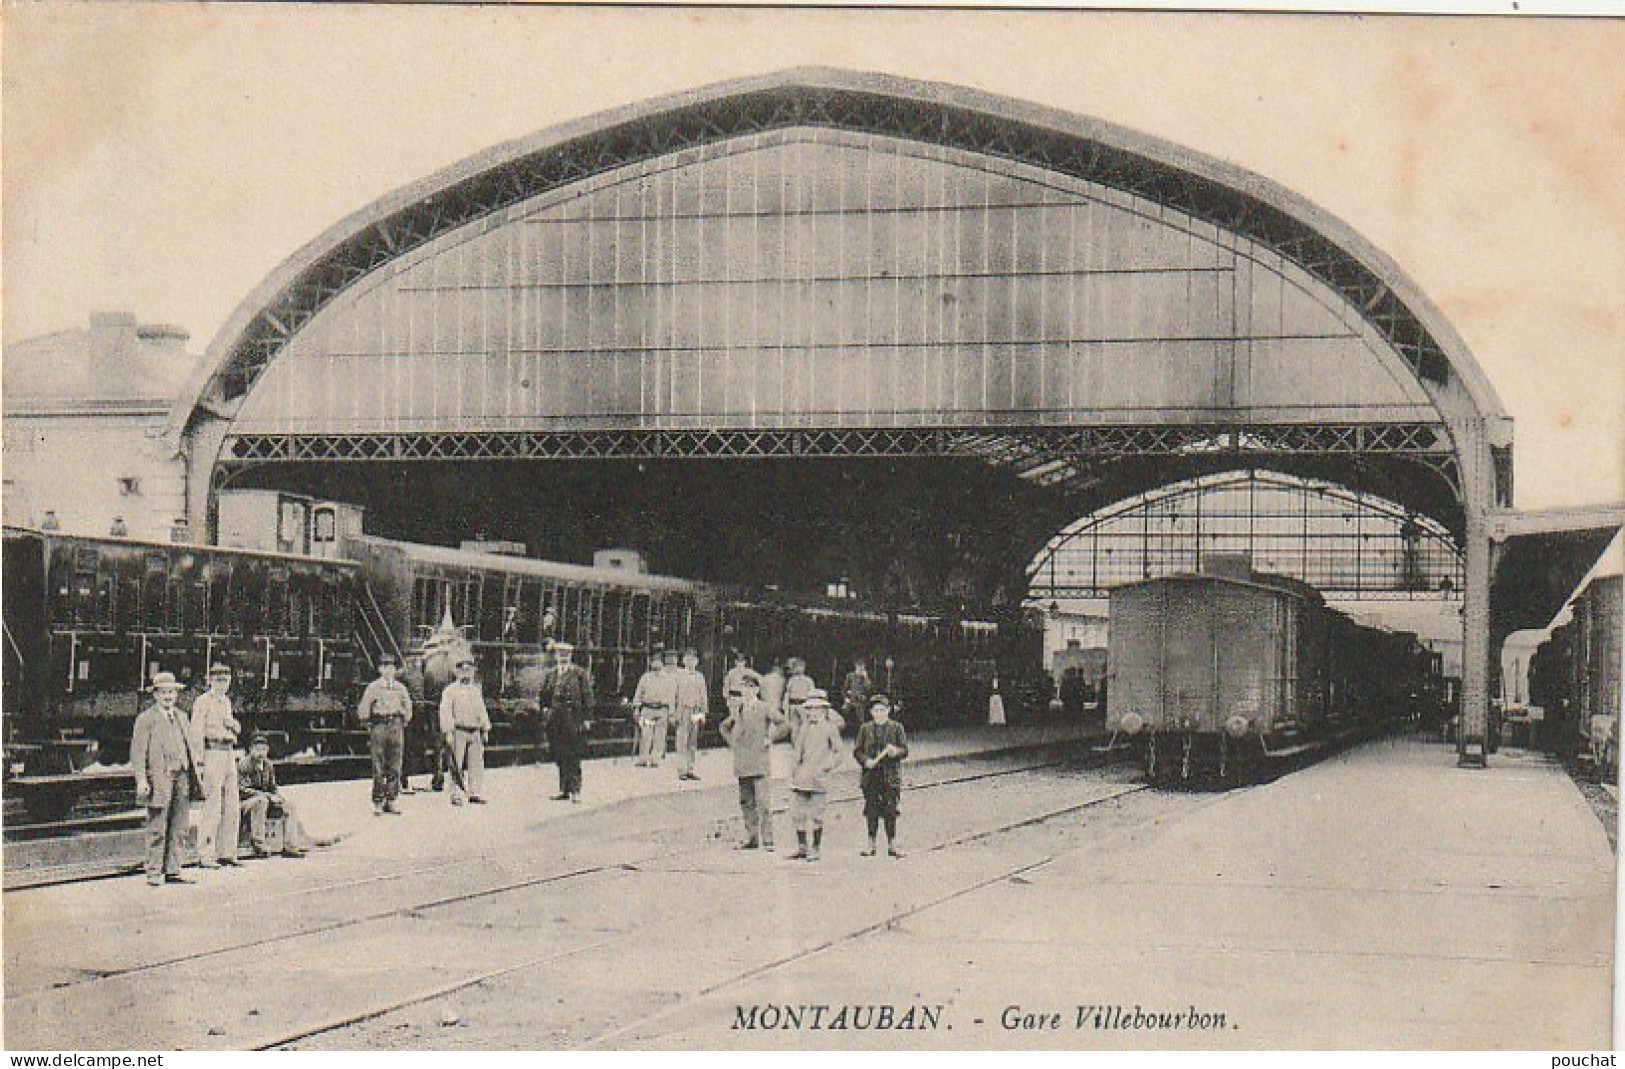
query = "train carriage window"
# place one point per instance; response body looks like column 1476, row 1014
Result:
column 656, row 634
column 564, row 606
column 611, row 620
column 324, row 525
column 154, row 592
column 548, row 611
column 275, row 618
column 423, row 602
column 530, row 602
column 219, row 597
column 297, row 621
column 493, row 603
column 175, row 603
column 248, row 599
column 584, row 616
column 120, row 589
column 83, row 595
column 466, row 611
column 195, row 616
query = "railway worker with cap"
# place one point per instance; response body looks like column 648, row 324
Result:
column 855, row 694
column 773, row 685
column 733, row 690
column 465, row 724
column 882, row 745
column 751, row 728
column 567, row 695
column 652, row 703
column 796, row 691
column 693, row 702
column 166, row 778
column 817, row 754
column 214, row 735
column 386, row 706
column 256, row 780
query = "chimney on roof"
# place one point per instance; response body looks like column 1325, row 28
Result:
column 167, row 343
column 165, row 336
column 112, row 342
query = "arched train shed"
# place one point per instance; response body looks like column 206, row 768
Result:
column 824, row 264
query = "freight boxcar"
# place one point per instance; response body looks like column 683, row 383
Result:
column 1211, row 671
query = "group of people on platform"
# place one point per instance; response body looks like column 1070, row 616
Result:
column 464, row 723
column 177, row 757
column 760, row 714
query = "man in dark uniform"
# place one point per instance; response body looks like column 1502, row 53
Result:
column 567, row 696
column 855, row 695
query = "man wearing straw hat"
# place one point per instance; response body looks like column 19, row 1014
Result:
column 166, row 779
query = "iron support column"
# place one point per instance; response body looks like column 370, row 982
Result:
column 1478, row 475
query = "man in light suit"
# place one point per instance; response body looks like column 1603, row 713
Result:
column 166, row 778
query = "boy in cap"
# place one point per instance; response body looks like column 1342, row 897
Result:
column 166, row 778
column 214, row 735
column 817, row 753
column 882, row 745
column 465, row 725
column 692, row 704
column 256, row 780
column 750, row 730
column 386, row 706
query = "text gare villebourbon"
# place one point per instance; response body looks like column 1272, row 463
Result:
column 1112, row 1017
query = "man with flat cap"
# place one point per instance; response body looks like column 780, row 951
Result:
column 465, row 724
column 652, row 703
column 567, row 696
column 214, row 737
column 693, row 703
column 166, row 778
column 797, row 689
column 386, row 706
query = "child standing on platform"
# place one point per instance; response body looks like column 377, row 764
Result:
column 882, row 745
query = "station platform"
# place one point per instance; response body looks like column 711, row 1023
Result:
column 1382, row 898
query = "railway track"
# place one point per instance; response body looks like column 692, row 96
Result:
column 443, row 989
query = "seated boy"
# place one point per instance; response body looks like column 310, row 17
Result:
column 256, row 780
